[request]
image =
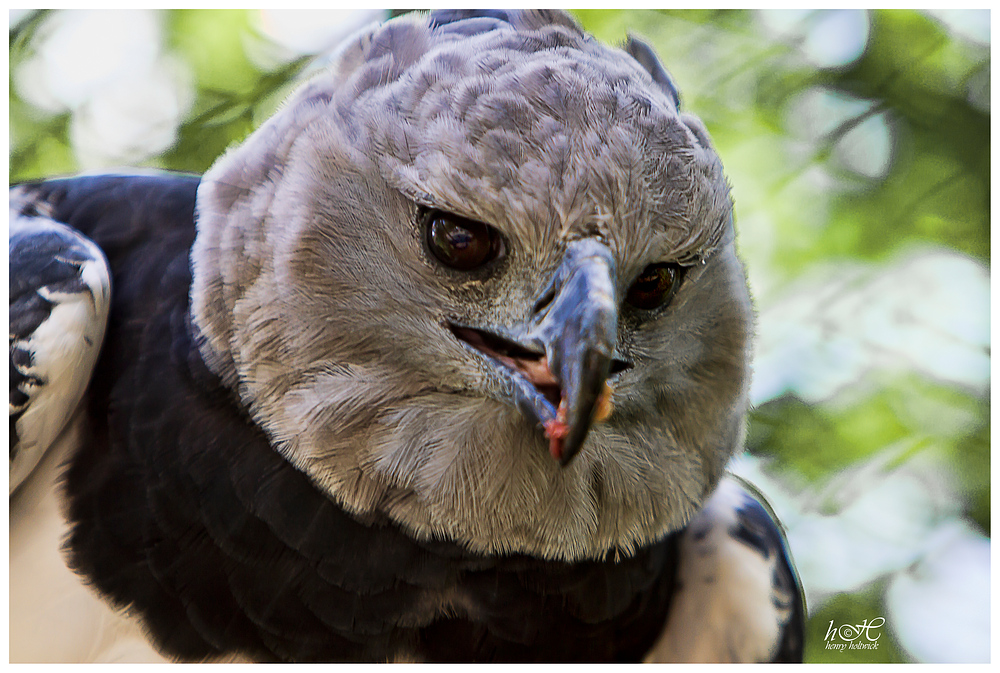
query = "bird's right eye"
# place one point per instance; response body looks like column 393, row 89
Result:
column 461, row 243
column 655, row 286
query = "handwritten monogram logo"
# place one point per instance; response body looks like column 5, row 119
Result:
column 863, row 636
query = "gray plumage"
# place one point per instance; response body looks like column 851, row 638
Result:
column 308, row 264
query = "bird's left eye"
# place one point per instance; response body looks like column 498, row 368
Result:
column 655, row 286
column 461, row 243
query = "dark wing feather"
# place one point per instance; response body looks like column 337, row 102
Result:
column 758, row 528
column 59, row 293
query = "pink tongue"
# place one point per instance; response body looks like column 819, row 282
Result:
column 556, row 430
column 538, row 372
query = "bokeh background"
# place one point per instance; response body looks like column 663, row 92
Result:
column 858, row 147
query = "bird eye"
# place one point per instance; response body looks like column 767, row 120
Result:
column 655, row 286
column 461, row 243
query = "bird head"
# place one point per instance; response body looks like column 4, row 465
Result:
column 480, row 277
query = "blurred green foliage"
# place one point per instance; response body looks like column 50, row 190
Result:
column 939, row 188
column 800, row 195
column 811, row 442
column 232, row 95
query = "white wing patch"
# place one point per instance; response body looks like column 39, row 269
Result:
column 735, row 593
column 55, row 617
column 59, row 300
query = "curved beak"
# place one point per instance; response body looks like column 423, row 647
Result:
column 576, row 322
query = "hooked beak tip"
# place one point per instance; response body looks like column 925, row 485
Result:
column 557, row 429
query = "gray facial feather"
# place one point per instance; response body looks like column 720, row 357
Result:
column 318, row 302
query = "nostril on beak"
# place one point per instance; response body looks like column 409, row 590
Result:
column 544, row 301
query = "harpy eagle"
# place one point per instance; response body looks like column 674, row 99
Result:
column 444, row 363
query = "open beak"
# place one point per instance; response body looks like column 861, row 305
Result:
column 560, row 367
column 577, row 325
